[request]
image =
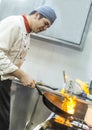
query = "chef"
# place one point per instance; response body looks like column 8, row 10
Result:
column 14, row 43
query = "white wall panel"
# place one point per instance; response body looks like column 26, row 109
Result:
column 71, row 26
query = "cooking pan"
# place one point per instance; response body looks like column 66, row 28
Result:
column 53, row 102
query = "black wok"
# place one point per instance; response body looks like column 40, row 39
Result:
column 53, row 102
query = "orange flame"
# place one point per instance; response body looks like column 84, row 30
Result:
column 69, row 104
column 62, row 120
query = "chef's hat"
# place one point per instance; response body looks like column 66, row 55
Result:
column 47, row 12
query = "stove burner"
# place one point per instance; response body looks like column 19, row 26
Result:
column 52, row 124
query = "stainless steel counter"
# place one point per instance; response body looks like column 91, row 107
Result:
column 23, row 103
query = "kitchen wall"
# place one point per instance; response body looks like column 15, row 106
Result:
column 45, row 62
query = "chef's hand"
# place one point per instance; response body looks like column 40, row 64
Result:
column 25, row 79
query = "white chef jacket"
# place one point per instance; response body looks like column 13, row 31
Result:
column 14, row 43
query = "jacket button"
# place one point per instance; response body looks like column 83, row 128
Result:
column 20, row 57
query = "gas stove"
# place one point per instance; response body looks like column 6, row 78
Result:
column 60, row 123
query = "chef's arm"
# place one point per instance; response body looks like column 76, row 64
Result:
column 25, row 79
column 8, row 68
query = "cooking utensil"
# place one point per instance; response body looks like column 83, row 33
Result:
column 47, row 86
column 53, row 102
column 38, row 83
column 64, row 77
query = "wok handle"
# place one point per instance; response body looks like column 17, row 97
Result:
column 44, row 85
column 39, row 91
column 36, row 83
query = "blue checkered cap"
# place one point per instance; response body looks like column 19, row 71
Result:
column 47, row 12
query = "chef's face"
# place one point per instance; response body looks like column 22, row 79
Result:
column 40, row 24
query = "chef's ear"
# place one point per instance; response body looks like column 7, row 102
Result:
column 37, row 15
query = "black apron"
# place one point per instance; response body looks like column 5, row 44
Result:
column 5, row 104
